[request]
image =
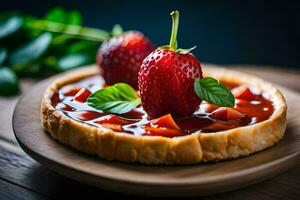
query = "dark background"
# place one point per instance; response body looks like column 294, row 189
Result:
column 225, row 32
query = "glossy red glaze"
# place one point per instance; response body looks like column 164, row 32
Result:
column 194, row 122
column 134, row 114
column 259, row 109
column 209, row 118
column 88, row 115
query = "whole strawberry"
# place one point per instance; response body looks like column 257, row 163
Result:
column 121, row 57
column 166, row 79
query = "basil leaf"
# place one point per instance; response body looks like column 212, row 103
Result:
column 210, row 90
column 9, row 84
column 30, row 52
column 10, row 25
column 119, row 98
column 3, row 55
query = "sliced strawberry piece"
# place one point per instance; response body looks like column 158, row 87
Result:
column 113, row 122
column 227, row 114
column 55, row 99
column 71, row 91
column 243, row 92
column 65, row 107
column 113, row 119
column 163, row 126
column 166, row 121
column 82, row 95
column 166, row 132
column 233, row 114
column 220, row 114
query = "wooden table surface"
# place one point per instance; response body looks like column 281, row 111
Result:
column 23, row 178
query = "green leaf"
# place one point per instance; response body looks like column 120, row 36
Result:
column 30, row 52
column 74, row 17
column 9, row 84
column 185, row 51
column 3, row 55
column 210, row 90
column 180, row 51
column 57, row 14
column 85, row 33
column 84, row 46
column 119, row 98
column 73, row 60
column 10, row 25
column 60, row 15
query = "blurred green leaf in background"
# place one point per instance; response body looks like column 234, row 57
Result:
column 9, row 25
column 39, row 47
column 3, row 55
column 9, row 84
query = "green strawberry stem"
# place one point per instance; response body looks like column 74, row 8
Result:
column 175, row 23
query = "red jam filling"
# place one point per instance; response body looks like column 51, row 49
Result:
column 250, row 108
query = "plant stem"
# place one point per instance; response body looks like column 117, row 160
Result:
column 85, row 33
column 175, row 22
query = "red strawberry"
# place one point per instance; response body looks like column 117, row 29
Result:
column 121, row 57
column 166, row 79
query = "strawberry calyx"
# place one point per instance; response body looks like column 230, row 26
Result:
column 173, row 40
column 116, row 30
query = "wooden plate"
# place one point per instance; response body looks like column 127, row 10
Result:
column 200, row 179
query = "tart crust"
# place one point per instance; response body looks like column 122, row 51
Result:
column 194, row 148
